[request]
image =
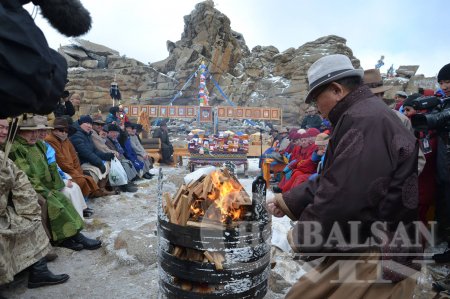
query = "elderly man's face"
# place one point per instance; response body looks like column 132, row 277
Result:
column 31, row 136
column 328, row 97
column 113, row 134
column 61, row 133
column 445, row 86
column 87, row 127
column 97, row 127
column 4, row 126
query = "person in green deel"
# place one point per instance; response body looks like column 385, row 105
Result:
column 23, row 241
column 29, row 155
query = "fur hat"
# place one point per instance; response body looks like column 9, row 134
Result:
column 328, row 69
column 372, row 78
column 322, row 139
column 444, row 73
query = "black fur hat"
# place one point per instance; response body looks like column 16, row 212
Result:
column 67, row 16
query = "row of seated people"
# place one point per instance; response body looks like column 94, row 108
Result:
column 45, row 183
column 300, row 159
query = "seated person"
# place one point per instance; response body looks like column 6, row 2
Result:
column 99, row 135
column 311, row 119
column 112, row 143
column 138, row 149
column 166, row 147
column 67, row 159
column 92, row 160
column 23, row 240
column 129, row 152
column 300, row 169
column 65, row 223
column 71, row 189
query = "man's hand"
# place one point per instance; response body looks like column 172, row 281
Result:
column 116, row 154
column 273, row 208
column 69, row 184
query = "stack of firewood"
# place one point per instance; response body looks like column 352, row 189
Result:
column 194, row 205
column 195, row 200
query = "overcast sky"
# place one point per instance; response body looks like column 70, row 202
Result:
column 405, row 32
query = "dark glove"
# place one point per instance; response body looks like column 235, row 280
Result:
column 109, row 156
column 102, row 168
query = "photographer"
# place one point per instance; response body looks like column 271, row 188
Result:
column 428, row 143
column 443, row 163
column 437, row 117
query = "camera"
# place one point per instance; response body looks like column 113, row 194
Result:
column 438, row 117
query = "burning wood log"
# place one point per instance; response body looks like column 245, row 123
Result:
column 218, row 196
column 213, row 201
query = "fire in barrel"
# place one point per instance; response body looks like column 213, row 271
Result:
column 213, row 240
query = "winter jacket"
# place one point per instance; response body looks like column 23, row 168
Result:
column 87, row 152
column 370, row 169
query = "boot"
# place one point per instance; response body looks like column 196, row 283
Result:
column 128, row 188
column 40, row 275
column 89, row 244
column 147, row 176
column 71, row 244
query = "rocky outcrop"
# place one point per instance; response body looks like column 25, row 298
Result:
column 261, row 76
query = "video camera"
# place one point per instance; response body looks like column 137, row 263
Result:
column 438, row 117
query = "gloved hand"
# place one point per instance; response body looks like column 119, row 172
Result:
column 286, row 169
column 102, row 168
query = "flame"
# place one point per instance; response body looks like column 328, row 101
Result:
column 223, row 195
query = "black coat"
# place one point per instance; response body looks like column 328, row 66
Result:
column 311, row 121
column 87, row 152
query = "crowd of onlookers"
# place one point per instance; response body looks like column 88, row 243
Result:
column 55, row 165
column 297, row 154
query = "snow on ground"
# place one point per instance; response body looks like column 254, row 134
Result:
column 126, row 265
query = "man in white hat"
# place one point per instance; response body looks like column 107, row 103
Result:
column 369, row 177
column 400, row 97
